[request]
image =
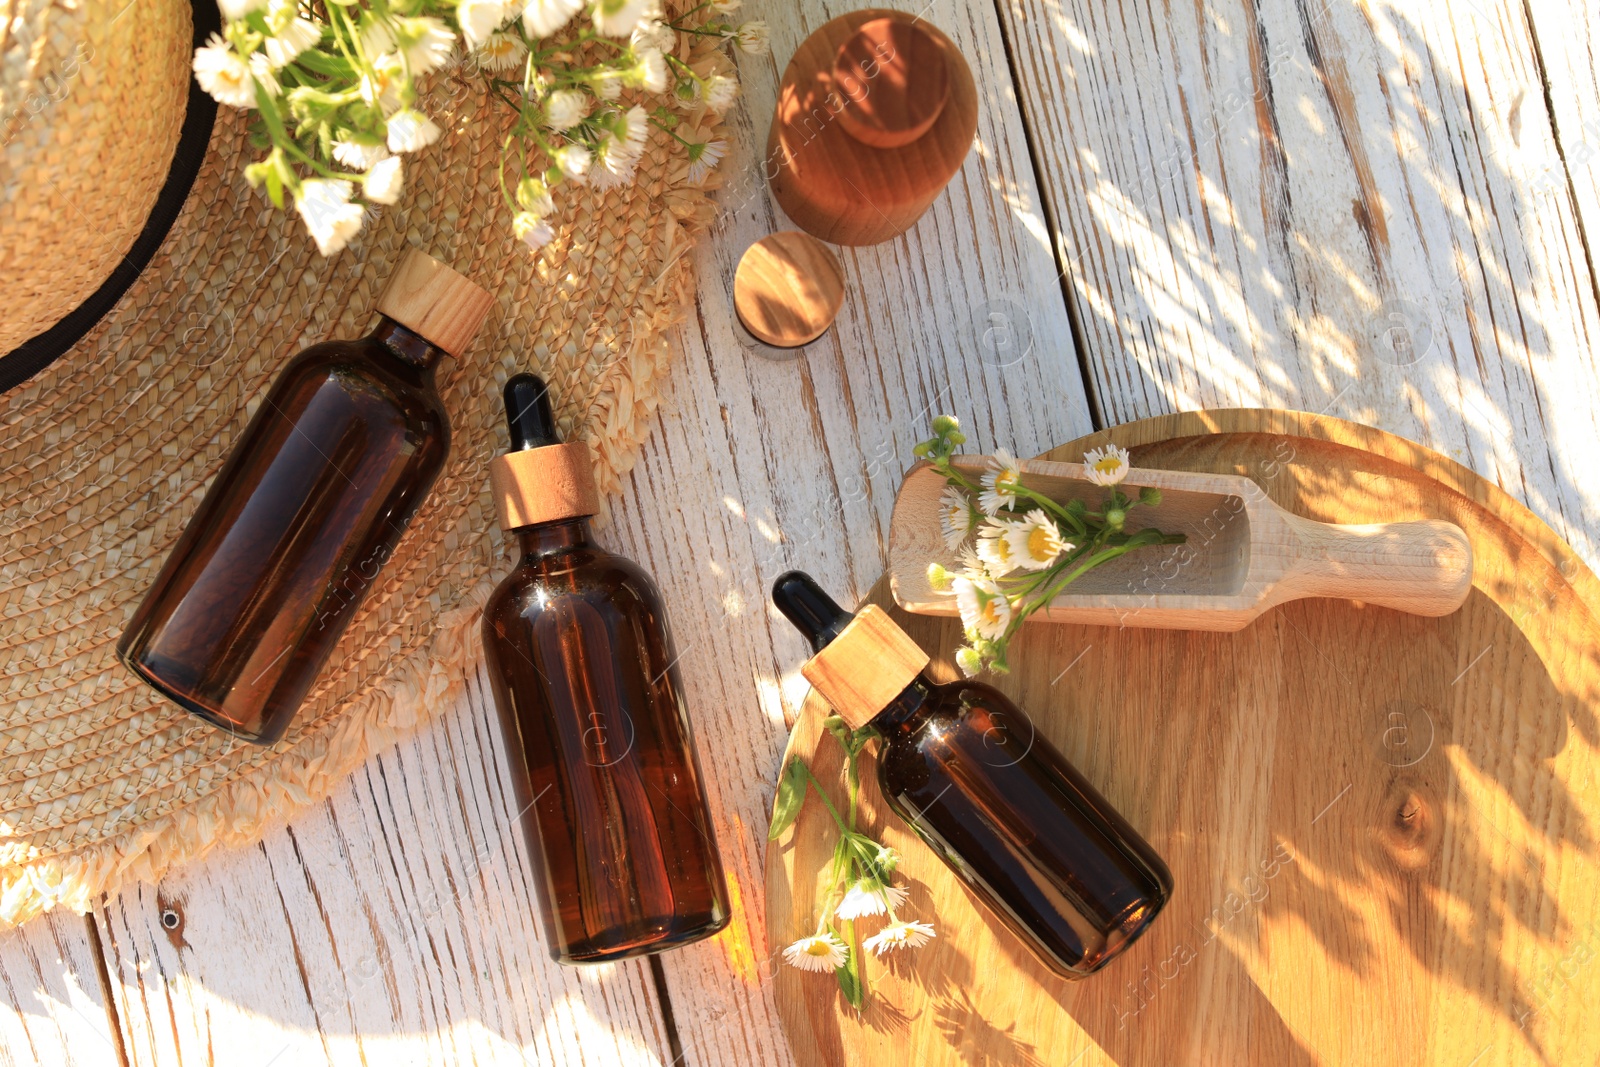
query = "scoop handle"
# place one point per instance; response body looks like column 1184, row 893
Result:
column 1423, row 567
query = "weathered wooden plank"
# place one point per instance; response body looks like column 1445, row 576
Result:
column 1326, row 205
column 395, row 924
column 52, row 1005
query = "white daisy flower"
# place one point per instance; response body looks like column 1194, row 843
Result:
column 686, row 94
column 502, row 52
column 1035, row 542
column 384, row 181
column 956, row 517
column 971, row 566
column 897, row 935
column 819, row 952
column 574, row 160
column 376, row 40
column 358, row 156
column 721, row 91
column 994, row 548
column 409, row 130
column 531, row 230
column 534, row 196
column 617, row 18
column 541, row 18
column 238, row 9
column 968, row 660
column 480, row 18
column 427, row 43
column 753, row 38
column 651, row 71
column 381, row 89
column 984, row 608
column 224, row 74
column 324, row 204
column 703, row 159
column 867, row 898
column 565, row 109
column 295, row 37
column 1108, row 465
column 617, row 165
column 606, row 84
column 635, row 129
column 653, row 35
column 1000, row 483
column 261, row 71
column 724, row 7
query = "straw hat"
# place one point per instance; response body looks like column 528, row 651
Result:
column 105, row 454
column 92, row 98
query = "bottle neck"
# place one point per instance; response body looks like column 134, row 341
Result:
column 904, row 712
column 405, row 345
column 548, row 538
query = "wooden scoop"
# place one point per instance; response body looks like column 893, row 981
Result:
column 1244, row 553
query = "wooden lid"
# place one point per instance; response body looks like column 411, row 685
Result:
column 895, row 80
column 869, row 664
column 430, row 299
column 538, row 485
column 788, row 289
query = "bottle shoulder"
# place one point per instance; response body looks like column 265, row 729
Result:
column 374, row 382
column 588, row 571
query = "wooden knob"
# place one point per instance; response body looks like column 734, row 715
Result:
column 895, row 80
column 443, row 307
column 788, row 289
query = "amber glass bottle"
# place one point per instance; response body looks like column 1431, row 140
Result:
column 306, row 509
column 966, row 769
column 584, row 674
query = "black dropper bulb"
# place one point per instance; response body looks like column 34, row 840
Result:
column 528, row 414
column 812, row 611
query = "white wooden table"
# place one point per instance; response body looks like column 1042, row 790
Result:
column 1379, row 210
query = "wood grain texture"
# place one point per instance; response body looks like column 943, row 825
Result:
column 52, row 1007
column 866, row 666
column 788, row 289
column 1381, row 827
column 1243, row 556
column 397, row 924
column 1328, row 205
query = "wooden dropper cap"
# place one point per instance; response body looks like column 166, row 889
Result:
column 542, row 479
column 431, row 300
column 861, row 663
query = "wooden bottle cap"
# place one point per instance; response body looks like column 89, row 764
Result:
column 548, row 484
column 788, row 289
column 430, row 299
column 894, row 76
column 869, row 664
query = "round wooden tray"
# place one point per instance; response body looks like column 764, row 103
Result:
column 1383, row 828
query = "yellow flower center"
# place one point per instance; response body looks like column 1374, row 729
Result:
column 1006, row 481
column 989, row 611
column 1040, row 544
column 1107, row 465
column 818, row 948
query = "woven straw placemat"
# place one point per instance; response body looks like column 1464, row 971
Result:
column 106, row 454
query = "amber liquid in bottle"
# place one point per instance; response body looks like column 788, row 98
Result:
column 966, row 768
column 292, row 532
column 586, row 681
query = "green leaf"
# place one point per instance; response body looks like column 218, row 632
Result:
column 849, row 975
column 791, row 795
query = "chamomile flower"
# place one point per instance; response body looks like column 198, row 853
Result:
column 1107, row 466
column 283, row 47
column 720, row 92
column 703, row 159
column 324, row 204
column 224, row 74
column 686, row 94
column 994, row 547
column 938, row 578
column 384, row 181
column 969, row 661
column 573, row 161
column 651, row 71
column 533, row 195
column 1035, row 541
column 1000, row 483
column 409, row 130
column 653, row 35
column 617, row 164
column 635, row 128
column 531, row 230
column 358, row 156
column 956, row 516
column 565, row 109
column 984, row 608
column 480, row 18
column 426, row 43
column 541, row 18
column 819, row 952
column 261, row 71
column 617, row 18
column 502, row 52
column 753, row 38
column 899, row 935
column 869, row 898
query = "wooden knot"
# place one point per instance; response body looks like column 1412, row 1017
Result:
column 894, row 80
column 1409, row 828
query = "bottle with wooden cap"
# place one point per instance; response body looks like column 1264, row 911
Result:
column 609, row 790
column 876, row 112
column 981, row 787
column 307, row 508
